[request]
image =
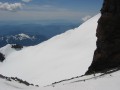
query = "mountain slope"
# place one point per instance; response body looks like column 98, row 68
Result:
column 106, row 82
column 6, row 50
column 64, row 56
column 89, row 82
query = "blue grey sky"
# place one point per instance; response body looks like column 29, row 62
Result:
column 28, row 10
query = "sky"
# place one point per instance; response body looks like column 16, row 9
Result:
column 46, row 10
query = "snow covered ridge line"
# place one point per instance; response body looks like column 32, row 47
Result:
column 84, row 78
column 8, row 49
column 17, row 80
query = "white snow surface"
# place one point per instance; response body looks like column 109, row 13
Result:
column 23, row 36
column 63, row 56
column 7, row 50
column 105, row 82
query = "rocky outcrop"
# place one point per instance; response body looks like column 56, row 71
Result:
column 15, row 79
column 107, row 54
column 17, row 46
column 2, row 57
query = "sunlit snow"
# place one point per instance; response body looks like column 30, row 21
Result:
column 63, row 56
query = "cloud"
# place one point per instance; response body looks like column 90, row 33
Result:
column 26, row 1
column 86, row 18
column 10, row 6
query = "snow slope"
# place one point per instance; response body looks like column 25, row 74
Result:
column 7, row 50
column 106, row 82
column 64, row 56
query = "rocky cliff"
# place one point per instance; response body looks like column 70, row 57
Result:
column 107, row 54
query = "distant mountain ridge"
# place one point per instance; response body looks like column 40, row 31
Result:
column 22, row 39
column 31, row 34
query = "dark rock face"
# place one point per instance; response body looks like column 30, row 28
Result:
column 107, row 54
column 17, row 47
column 2, row 57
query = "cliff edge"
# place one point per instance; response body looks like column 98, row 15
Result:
column 107, row 54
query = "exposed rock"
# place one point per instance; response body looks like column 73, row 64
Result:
column 16, row 46
column 17, row 80
column 107, row 54
column 2, row 57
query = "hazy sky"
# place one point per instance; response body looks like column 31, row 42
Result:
column 69, row 10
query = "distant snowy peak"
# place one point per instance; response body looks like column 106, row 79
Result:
column 22, row 39
column 25, row 36
column 21, row 36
